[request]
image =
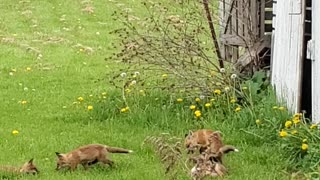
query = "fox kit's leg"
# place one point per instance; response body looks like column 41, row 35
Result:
column 105, row 160
column 73, row 166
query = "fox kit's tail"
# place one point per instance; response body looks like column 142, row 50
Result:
column 227, row 148
column 118, row 150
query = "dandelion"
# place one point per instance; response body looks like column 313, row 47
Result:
column 25, row 89
column 281, row 108
column 217, row 91
column 233, row 76
column 296, row 121
column 233, row 100
column 192, row 107
column 202, row 96
column 258, row 121
column 28, row 68
column 123, row 75
column 98, row 33
column 90, row 108
column 197, row 113
column 81, row 49
column 103, row 94
column 127, row 91
column 293, row 132
column 313, row 126
column 226, row 88
column 164, row 76
column 297, row 115
column 304, row 146
column 137, row 73
column 133, row 82
column 197, row 99
column 80, row 99
column 24, row 102
column 222, row 70
column 288, row 124
column 91, row 95
column 275, row 107
column 238, row 109
column 11, row 73
column 15, row 132
column 207, row 105
column 304, row 140
column 283, row 133
column 179, row 100
column 123, row 110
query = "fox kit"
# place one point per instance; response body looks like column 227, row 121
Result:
column 197, row 139
column 87, row 155
column 216, row 147
column 205, row 167
column 27, row 168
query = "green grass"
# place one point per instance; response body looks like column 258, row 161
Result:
column 50, row 122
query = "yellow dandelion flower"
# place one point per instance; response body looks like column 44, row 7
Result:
column 90, row 95
column 217, row 91
column 197, row 99
column 192, row 107
column 90, row 108
column 293, row 132
column 104, row 94
column 197, row 113
column 207, row 105
column 81, row 49
column 296, row 121
column 15, row 132
column 238, row 109
column 233, row 100
column 275, row 107
column 164, row 76
column 24, row 102
column 288, row 124
column 128, row 91
column 304, row 140
column 80, row 99
column 313, row 126
column 283, row 133
column 258, row 121
column 179, row 100
column 123, row 110
column 304, row 146
column 281, row 108
column 28, row 68
column 297, row 115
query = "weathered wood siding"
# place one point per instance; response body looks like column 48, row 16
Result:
column 316, row 61
column 287, row 52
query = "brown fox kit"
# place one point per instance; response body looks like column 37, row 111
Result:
column 217, row 149
column 27, row 168
column 87, row 155
column 198, row 139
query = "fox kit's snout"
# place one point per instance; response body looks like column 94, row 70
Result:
column 87, row 155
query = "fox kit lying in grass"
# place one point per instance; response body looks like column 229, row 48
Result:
column 27, row 168
column 87, row 155
column 197, row 139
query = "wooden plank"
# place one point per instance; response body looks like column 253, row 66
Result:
column 234, row 40
column 240, row 18
column 253, row 17
column 246, row 18
column 234, row 28
column 316, row 63
column 287, row 52
column 262, row 17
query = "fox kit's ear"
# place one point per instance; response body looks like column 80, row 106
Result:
column 31, row 161
column 188, row 134
column 59, row 155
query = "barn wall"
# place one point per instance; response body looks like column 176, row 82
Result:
column 316, row 62
column 287, row 52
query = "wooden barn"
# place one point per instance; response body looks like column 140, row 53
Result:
column 279, row 33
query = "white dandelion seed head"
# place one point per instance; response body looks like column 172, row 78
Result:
column 123, row 74
column 222, row 70
column 233, row 76
column 137, row 73
column 11, row 73
column 133, row 82
column 25, row 89
column 202, row 97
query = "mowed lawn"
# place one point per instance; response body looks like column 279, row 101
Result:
column 52, row 52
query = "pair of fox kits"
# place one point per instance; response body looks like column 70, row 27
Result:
column 211, row 149
column 85, row 155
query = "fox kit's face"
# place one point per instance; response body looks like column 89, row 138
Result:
column 29, row 168
column 189, row 142
column 62, row 161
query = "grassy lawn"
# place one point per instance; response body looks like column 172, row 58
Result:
column 46, row 60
